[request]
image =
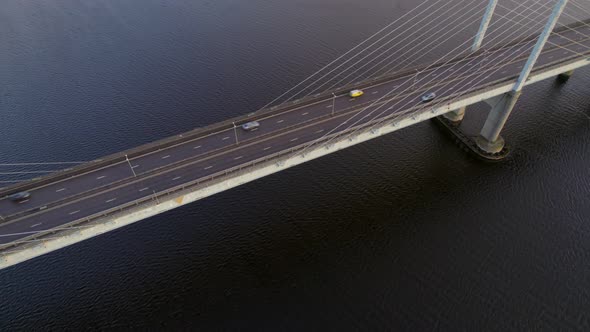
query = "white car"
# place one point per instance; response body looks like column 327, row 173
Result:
column 250, row 125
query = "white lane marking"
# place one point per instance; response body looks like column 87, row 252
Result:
column 319, row 131
column 240, row 157
column 208, row 167
column 293, row 140
column 176, row 178
column 565, row 52
column 329, row 106
column 504, row 72
column 306, row 113
column 375, row 92
column 551, row 57
column 223, row 139
column 135, row 166
column 166, row 157
column 21, row 202
column 196, row 147
column 58, row 190
column 74, row 212
column 101, row 177
column 144, row 189
column 35, row 225
column 111, row 200
column 280, row 121
column 266, row 148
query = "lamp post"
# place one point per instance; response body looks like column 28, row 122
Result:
column 131, row 167
column 333, row 103
column 236, row 133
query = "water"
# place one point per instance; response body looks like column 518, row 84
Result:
column 401, row 233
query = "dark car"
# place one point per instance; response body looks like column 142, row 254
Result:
column 20, row 197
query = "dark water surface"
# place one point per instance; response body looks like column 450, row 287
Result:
column 401, row 233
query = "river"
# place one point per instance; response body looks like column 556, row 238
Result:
column 405, row 232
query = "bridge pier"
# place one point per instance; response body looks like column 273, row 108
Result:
column 564, row 77
column 456, row 116
column 489, row 139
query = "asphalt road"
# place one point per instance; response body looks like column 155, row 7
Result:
column 143, row 176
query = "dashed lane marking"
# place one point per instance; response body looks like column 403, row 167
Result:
column 197, row 147
column 110, row 200
column 176, row 178
column 223, row 139
column 101, row 177
column 58, row 190
column 306, row 113
column 144, row 189
column 293, row 140
column 208, row 167
column 319, row 131
column 266, row 148
column 74, row 212
column 166, row 157
column 240, row 157
column 35, row 225
column 280, row 121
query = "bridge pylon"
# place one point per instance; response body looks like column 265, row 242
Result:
column 489, row 139
column 457, row 116
column 485, row 23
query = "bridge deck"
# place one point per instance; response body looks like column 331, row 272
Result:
column 92, row 192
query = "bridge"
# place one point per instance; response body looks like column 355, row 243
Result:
column 96, row 197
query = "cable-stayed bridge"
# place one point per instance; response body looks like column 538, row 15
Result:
column 316, row 117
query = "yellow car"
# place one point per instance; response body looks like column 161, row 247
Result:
column 356, row 93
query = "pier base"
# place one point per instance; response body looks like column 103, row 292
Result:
column 468, row 143
column 456, row 116
column 488, row 145
column 564, row 77
column 489, row 139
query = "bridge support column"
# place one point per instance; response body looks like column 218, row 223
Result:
column 564, row 77
column 489, row 139
column 485, row 23
column 456, row 116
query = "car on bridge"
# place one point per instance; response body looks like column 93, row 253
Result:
column 428, row 97
column 250, row 125
column 356, row 93
column 20, row 197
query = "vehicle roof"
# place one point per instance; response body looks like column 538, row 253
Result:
column 20, row 194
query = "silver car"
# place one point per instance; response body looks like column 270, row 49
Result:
column 20, row 197
column 428, row 97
